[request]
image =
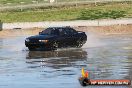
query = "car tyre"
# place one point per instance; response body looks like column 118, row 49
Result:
column 54, row 45
column 79, row 44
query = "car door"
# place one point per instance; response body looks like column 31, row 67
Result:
column 72, row 35
column 60, row 37
column 65, row 37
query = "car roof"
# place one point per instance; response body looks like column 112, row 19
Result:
column 61, row 27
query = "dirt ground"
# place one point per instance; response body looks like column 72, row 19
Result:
column 108, row 30
column 99, row 30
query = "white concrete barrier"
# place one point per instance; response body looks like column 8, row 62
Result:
column 25, row 25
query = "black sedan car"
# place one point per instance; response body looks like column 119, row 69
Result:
column 56, row 37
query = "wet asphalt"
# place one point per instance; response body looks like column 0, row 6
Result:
column 103, row 57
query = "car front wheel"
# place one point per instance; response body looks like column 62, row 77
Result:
column 54, row 45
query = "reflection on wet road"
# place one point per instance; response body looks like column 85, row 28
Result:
column 105, row 58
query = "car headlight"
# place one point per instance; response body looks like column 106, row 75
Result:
column 45, row 41
column 27, row 40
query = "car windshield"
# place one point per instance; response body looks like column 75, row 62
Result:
column 47, row 31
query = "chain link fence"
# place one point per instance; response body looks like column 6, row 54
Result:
column 19, row 2
column 23, row 4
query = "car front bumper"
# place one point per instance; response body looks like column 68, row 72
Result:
column 38, row 45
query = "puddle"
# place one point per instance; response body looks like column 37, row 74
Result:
column 104, row 58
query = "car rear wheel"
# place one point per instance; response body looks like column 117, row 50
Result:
column 79, row 44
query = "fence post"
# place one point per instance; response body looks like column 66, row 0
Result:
column 76, row 3
column 1, row 24
column 21, row 5
column 98, row 23
column 95, row 2
column 52, row 1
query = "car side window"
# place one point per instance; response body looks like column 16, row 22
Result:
column 55, row 32
column 70, row 31
column 62, row 31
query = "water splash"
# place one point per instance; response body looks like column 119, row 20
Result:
column 92, row 41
